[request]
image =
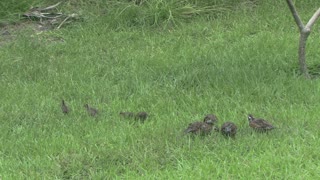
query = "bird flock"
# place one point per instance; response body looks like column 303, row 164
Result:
column 202, row 128
column 228, row 129
column 93, row 112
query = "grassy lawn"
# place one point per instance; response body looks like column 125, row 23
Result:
column 232, row 64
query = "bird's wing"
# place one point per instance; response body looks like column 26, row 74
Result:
column 193, row 127
column 261, row 123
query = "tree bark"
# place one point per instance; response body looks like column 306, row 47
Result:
column 302, row 53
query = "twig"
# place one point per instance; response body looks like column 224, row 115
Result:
column 49, row 7
column 63, row 22
column 295, row 15
column 313, row 19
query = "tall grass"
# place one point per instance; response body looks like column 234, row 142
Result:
column 158, row 12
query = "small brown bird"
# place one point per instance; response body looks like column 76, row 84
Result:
column 64, row 107
column 92, row 111
column 142, row 116
column 211, row 117
column 202, row 128
column 229, row 129
column 214, row 119
column 259, row 125
column 127, row 114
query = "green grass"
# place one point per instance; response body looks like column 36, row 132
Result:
column 230, row 65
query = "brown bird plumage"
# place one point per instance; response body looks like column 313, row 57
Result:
column 211, row 117
column 92, row 111
column 214, row 120
column 64, row 107
column 142, row 116
column 259, row 125
column 229, row 129
column 202, row 128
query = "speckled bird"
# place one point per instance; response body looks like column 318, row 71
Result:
column 142, row 116
column 211, row 117
column 259, row 125
column 229, row 129
column 202, row 128
column 214, row 120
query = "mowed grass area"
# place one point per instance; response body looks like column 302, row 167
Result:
column 235, row 64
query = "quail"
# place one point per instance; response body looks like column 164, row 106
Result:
column 229, row 129
column 92, row 111
column 202, row 128
column 126, row 114
column 64, row 107
column 259, row 125
column 214, row 120
column 211, row 117
column 141, row 116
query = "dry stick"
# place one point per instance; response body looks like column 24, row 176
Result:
column 313, row 19
column 70, row 16
column 63, row 22
column 304, row 34
column 50, row 7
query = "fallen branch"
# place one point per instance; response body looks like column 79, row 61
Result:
column 48, row 15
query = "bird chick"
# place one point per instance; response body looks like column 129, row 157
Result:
column 214, row 120
column 142, row 116
column 211, row 117
column 229, row 129
column 201, row 128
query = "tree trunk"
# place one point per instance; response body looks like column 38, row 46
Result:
column 302, row 53
column 304, row 34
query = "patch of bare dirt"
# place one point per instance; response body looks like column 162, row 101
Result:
column 38, row 20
